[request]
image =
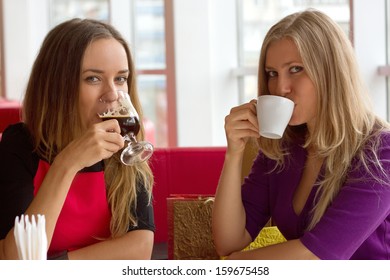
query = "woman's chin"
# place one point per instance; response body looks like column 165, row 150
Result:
column 294, row 123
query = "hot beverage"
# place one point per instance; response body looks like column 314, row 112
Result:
column 273, row 114
column 126, row 123
column 124, row 112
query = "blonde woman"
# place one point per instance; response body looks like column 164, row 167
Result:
column 325, row 183
column 62, row 161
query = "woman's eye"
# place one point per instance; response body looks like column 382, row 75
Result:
column 121, row 80
column 92, row 79
column 271, row 74
column 296, row 69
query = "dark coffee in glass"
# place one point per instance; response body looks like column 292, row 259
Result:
column 126, row 123
column 124, row 112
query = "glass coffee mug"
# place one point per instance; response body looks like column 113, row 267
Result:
column 124, row 112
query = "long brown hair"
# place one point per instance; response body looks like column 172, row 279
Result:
column 51, row 110
column 346, row 126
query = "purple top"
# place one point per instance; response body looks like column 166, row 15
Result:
column 355, row 226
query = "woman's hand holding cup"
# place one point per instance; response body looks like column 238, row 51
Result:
column 240, row 125
column 266, row 116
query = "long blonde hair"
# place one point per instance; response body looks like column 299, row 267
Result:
column 52, row 117
column 346, row 126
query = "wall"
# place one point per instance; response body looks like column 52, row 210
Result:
column 205, row 54
column 25, row 25
column 370, row 46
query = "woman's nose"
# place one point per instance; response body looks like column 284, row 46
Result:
column 109, row 96
column 283, row 86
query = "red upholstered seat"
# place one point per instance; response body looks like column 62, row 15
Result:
column 10, row 113
column 183, row 171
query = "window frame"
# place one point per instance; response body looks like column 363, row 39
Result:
column 242, row 71
column 168, row 72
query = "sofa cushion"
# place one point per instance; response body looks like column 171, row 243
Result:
column 194, row 170
column 10, row 113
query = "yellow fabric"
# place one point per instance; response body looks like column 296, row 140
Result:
column 267, row 236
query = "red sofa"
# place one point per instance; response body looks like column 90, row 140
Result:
column 177, row 171
column 10, row 113
column 180, row 171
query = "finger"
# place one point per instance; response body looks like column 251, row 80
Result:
column 242, row 134
column 232, row 128
column 253, row 106
column 100, row 150
column 247, row 107
column 112, row 148
column 114, row 138
column 242, row 115
column 110, row 126
column 239, row 127
column 250, row 105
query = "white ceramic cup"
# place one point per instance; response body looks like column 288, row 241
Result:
column 273, row 114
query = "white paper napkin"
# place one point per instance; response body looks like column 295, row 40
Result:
column 30, row 237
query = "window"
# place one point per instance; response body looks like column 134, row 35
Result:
column 387, row 67
column 63, row 10
column 2, row 86
column 152, row 45
column 255, row 17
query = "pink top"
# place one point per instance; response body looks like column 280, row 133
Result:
column 85, row 215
